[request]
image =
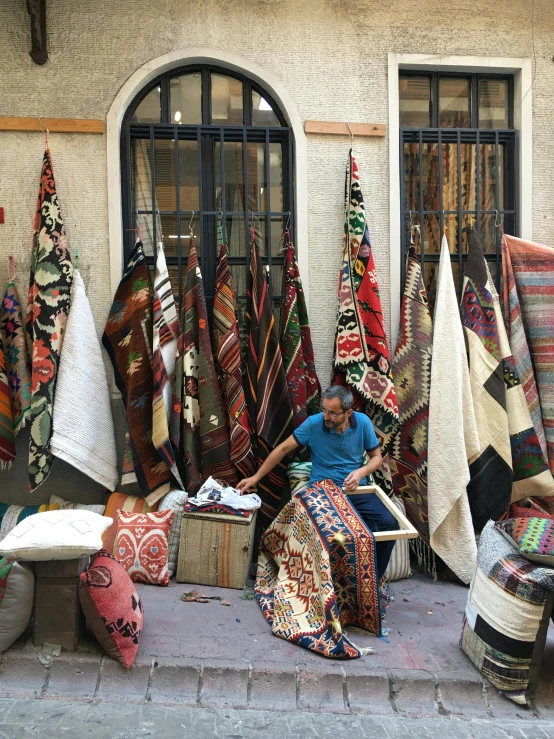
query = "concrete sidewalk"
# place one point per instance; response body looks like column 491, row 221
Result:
column 218, row 656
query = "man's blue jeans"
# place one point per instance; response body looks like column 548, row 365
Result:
column 376, row 517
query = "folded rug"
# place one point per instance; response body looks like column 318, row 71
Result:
column 7, row 437
column 83, row 432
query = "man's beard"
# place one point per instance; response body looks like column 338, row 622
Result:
column 333, row 424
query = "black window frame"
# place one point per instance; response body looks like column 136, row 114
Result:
column 206, row 134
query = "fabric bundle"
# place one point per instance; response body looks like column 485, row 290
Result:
column 127, row 338
column 266, row 391
column 200, row 429
column 490, row 487
column 362, row 360
column 317, row 573
column 47, row 309
column 411, row 367
column 453, row 437
column 7, row 438
column 164, row 349
column 12, row 336
column 228, row 362
column 83, row 432
column 528, row 306
column 296, row 344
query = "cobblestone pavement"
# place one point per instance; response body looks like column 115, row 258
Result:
column 45, row 719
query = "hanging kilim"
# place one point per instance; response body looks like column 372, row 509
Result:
column 228, row 362
column 362, row 360
column 12, row 334
column 490, row 488
column 528, row 305
column 266, row 391
column 127, row 339
column 47, row 309
column 7, row 436
column 164, row 349
column 296, row 344
column 204, row 431
column 128, row 474
column 411, row 367
column 317, row 573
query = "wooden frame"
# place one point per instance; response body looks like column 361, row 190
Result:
column 52, row 125
column 405, row 530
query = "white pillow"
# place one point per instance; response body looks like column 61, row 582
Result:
column 16, row 605
column 55, row 535
column 66, row 505
column 175, row 500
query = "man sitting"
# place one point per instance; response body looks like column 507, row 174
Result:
column 338, row 437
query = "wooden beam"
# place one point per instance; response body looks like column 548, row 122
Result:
column 331, row 128
column 54, row 125
column 37, row 11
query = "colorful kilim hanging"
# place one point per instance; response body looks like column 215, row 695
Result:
column 12, row 335
column 317, row 573
column 47, row 309
column 228, row 362
column 411, row 367
column 296, row 344
column 528, row 305
column 490, row 488
column 164, row 349
column 362, row 360
column 204, row 433
column 7, row 438
column 127, row 339
column 266, row 391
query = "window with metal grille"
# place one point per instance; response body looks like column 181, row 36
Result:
column 458, row 167
column 207, row 152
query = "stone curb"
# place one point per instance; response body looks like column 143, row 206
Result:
column 332, row 686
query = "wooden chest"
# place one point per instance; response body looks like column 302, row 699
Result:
column 216, row 549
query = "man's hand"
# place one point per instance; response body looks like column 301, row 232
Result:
column 352, row 481
column 247, row 484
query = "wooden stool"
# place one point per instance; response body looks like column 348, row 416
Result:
column 58, row 615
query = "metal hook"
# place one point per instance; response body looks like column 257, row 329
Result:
column 497, row 223
column 287, row 227
column 223, row 233
column 191, row 224
column 44, row 128
column 350, row 134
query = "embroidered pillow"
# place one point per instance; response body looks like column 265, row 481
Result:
column 122, row 502
column 66, row 505
column 142, row 545
column 534, row 537
column 175, row 500
column 112, row 607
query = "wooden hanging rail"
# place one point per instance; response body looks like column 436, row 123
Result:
column 331, row 128
column 54, row 125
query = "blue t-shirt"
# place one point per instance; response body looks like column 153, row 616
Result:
column 334, row 455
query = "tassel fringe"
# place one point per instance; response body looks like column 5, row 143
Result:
column 425, row 557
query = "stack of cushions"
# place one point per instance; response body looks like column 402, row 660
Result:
column 123, row 502
column 17, row 586
column 112, row 607
column 142, row 545
column 506, row 619
column 55, row 535
column 175, row 501
column 533, row 538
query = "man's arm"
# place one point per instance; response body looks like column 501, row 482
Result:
column 273, row 459
column 352, row 481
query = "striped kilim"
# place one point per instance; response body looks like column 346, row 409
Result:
column 362, row 360
column 411, row 366
column 164, row 350
column 12, row 334
column 7, row 437
column 528, row 305
column 266, row 390
column 127, row 339
column 490, row 487
column 48, row 305
column 296, row 343
column 228, row 362
column 201, row 430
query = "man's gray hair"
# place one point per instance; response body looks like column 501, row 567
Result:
column 342, row 393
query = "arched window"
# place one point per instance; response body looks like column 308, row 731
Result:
column 207, row 149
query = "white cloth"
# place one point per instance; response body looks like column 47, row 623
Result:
column 163, row 289
column 83, row 433
column 213, row 492
column 453, row 435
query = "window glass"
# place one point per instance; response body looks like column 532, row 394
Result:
column 227, row 100
column 262, row 112
column 493, row 103
column 454, row 107
column 185, row 94
column 415, row 95
column 149, row 108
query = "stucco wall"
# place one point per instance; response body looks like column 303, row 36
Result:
column 332, row 58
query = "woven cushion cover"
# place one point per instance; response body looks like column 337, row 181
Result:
column 17, row 587
column 175, row 501
column 112, row 607
column 55, row 535
column 533, row 537
column 142, row 545
column 11, row 515
column 123, row 502
column 507, row 614
column 57, row 503
column 398, row 567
